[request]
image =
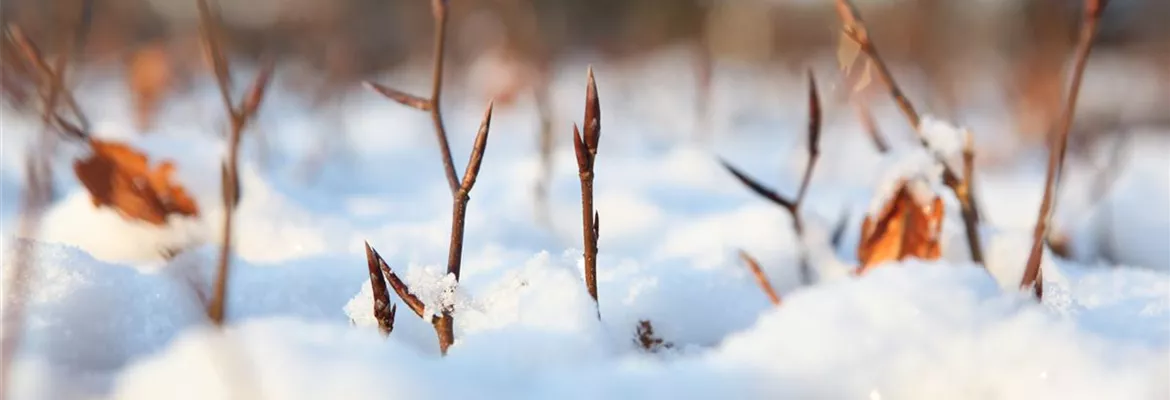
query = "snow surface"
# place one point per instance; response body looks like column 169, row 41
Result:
column 108, row 317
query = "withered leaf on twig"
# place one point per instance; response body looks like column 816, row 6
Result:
column 118, row 176
column 903, row 228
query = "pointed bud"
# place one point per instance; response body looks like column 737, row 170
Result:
column 476, row 159
column 256, row 92
column 580, row 150
column 814, row 116
column 592, row 121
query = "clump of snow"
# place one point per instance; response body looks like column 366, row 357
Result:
column 915, row 168
column 945, row 140
column 920, row 331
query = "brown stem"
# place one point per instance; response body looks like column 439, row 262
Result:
column 439, row 9
column 238, row 115
column 1059, row 142
column 854, row 28
column 871, row 126
column 963, row 189
column 585, row 148
column 761, row 278
column 793, row 206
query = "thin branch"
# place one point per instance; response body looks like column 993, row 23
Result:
column 401, row 97
column 585, row 148
column 853, row 27
column 761, row 278
column 459, row 206
column 49, row 79
column 759, row 188
column 211, row 38
column 963, row 189
column 870, row 125
column 439, row 9
column 1059, row 142
column 793, row 206
column 239, row 116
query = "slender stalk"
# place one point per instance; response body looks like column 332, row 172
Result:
column 854, row 28
column 585, row 148
column 793, row 206
column 239, row 116
column 871, row 126
column 761, row 278
column 439, row 11
column 963, row 190
column 1059, row 143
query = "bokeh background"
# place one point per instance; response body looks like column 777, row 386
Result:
column 954, row 49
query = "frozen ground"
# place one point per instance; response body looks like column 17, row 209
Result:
column 110, row 319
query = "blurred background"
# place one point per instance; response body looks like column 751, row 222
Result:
column 332, row 45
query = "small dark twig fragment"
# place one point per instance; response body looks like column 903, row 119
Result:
column 761, row 278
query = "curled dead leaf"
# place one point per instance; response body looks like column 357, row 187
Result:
column 903, row 228
column 118, row 176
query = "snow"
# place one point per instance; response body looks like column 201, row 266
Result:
column 944, row 140
column 109, row 317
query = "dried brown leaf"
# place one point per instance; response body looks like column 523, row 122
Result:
column 119, row 176
column 903, row 228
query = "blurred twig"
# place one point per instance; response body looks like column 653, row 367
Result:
column 439, row 10
column 761, row 278
column 793, row 206
column 1058, row 144
column 239, row 115
column 853, row 27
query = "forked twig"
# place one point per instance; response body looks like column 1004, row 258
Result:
column 439, row 9
column 444, row 322
column 239, row 115
column 586, row 151
column 853, row 27
column 761, row 278
column 1032, row 278
column 793, row 206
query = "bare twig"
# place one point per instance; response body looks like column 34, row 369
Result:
column 1032, row 278
column 443, row 323
column 854, row 28
column 793, row 206
column 586, row 151
column 49, row 79
column 871, row 127
column 439, row 10
column 239, row 116
column 761, row 278
column 963, row 189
